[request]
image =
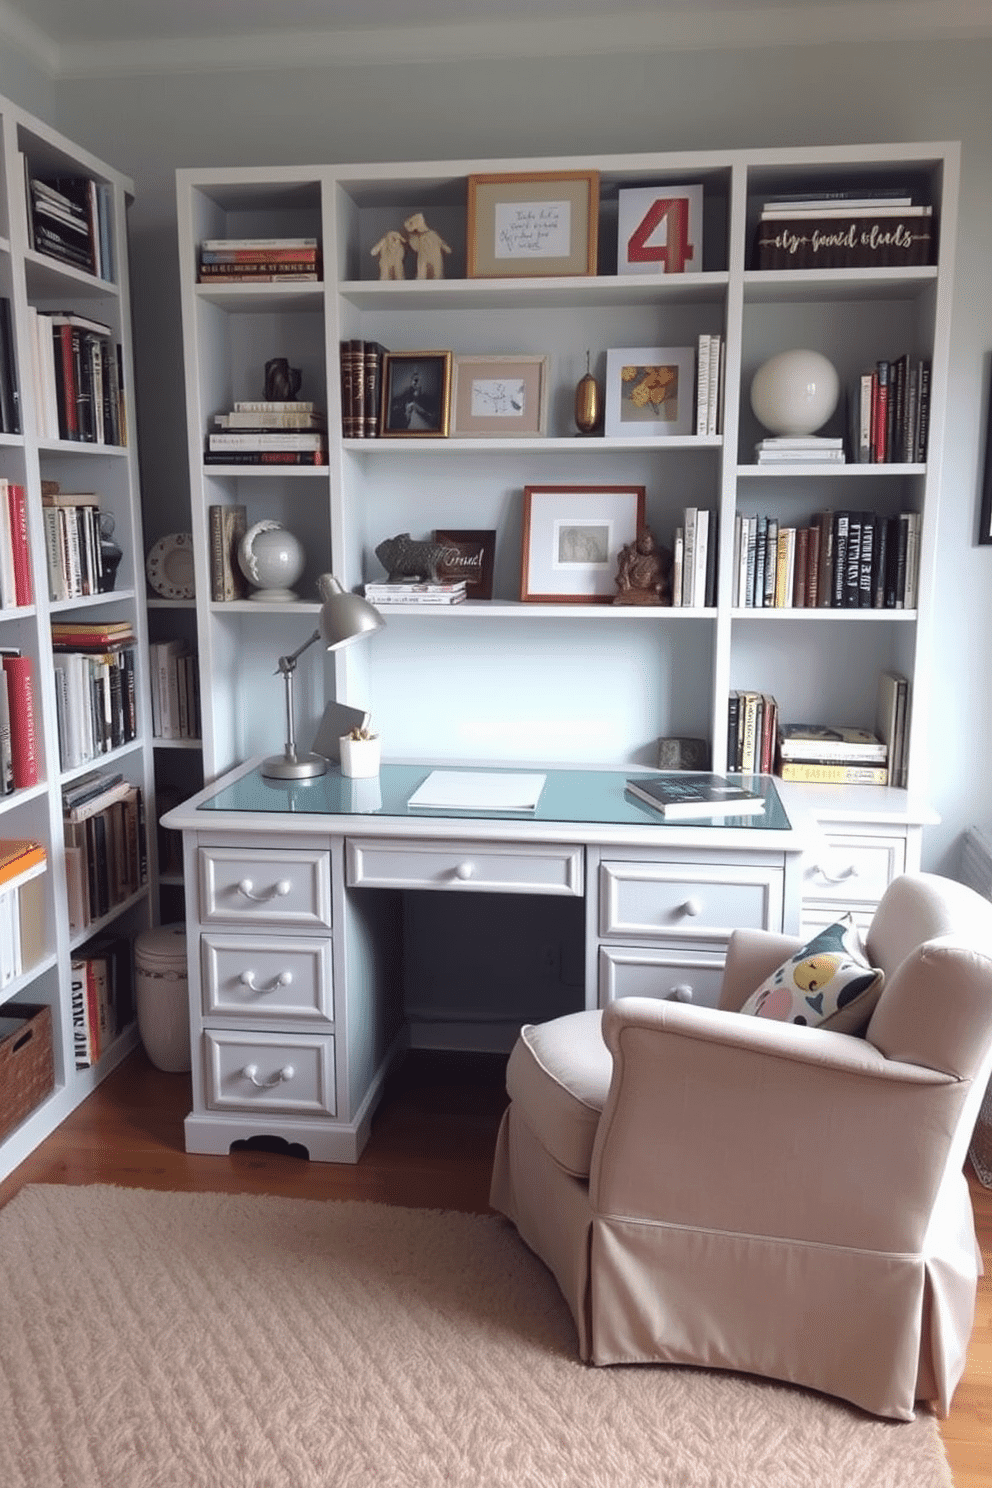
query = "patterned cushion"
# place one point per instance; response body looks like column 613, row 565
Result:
column 829, row 983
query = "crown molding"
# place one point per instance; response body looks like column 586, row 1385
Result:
column 701, row 27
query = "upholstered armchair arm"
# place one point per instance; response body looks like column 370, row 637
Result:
column 716, row 1120
column 752, row 955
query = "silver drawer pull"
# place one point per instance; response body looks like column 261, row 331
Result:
column 464, row 871
column 682, row 992
column 692, row 907
column 250, row 1072
column 247, row 979
column 834, row 878
column 278, row 890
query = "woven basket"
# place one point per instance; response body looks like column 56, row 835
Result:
column 27, row 1069
column 980, row 1150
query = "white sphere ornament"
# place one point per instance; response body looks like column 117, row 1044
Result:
column 271, row 559
column 795, row 392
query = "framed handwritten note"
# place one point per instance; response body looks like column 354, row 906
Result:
column 535, row 224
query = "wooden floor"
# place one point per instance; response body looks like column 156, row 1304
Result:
column 431, row 1146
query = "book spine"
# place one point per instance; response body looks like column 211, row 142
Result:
column 808, row 772
column 23, row 734
column 265, row 457
column 18, row 510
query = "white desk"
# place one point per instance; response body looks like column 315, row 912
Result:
column 293, row 895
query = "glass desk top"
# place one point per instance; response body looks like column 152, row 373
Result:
column 567, row 796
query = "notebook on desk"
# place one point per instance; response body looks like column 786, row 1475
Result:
column 478, row 790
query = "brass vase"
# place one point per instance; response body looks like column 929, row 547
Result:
column 588, row 402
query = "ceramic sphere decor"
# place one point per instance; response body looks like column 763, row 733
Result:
column 271, row 559
column 795, row 392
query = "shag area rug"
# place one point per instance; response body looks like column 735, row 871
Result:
column 176, row 1340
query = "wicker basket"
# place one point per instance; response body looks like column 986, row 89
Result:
column 27, row 1069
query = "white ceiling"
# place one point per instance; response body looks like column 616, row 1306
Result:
column 81, row 37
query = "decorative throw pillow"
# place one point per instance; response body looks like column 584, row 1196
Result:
column 829, row 983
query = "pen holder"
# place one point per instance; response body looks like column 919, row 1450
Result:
column 359, row 757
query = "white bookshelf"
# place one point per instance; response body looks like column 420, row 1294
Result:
column 517, row 681
column 29, row 279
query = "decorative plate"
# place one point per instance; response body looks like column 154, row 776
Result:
column 169, row 566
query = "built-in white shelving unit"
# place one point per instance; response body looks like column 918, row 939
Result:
column 585, row 683
column 32, row 281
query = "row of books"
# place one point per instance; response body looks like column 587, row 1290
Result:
column 79, row 379
column 259, row 260
column 73, row 554
column 890, row 412
column 758, row 742
column 361, row 388
column 694, row 558
column 102, row 996
column 175, row 687
column 70, row 218
column 22, row 907
column 841, row 560
column 10, row 398
column 709, row 383
column 106, row 853
column 843, row 229
column 95, row 689
column 268, row 433
column 18, row 732
column 228, row 525
column 15, row 557
column 417, row 592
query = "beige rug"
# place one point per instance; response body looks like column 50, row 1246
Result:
column 157, row 1340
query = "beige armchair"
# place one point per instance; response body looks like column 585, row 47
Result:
column 722, row 1190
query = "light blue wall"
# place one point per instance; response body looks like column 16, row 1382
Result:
column 148, row 126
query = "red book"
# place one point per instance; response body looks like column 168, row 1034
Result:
column 17, row 502
column 23, row 736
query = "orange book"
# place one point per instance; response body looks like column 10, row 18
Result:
column 17, row 855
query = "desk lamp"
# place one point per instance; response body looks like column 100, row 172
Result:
column 343, row 618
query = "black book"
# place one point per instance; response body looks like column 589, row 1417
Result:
column 685, row 794
column 10, row 402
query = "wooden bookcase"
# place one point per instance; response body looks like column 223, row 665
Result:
column 516, row 681
column 32, row 281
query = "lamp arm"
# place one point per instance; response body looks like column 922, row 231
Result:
column 287, row 666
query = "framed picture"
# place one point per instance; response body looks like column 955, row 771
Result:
column 572, row 536
column 416, row 394
column 502, row 397
column 476, row 555
column 537, row 223
column 650, row 391
column 660, row 230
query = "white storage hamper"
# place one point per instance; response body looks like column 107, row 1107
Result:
column 162, row 996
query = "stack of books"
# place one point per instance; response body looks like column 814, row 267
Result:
column 268, row 432
column 259, row 260
column 417, row 593
column 69, row 219
column 95, row 696
column 832, row 754
column 175, row 688
column 102, row 996
column 795, row 449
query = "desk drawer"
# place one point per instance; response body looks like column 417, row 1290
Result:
column 466, row 867
column 852, row 870
column 266, row 980
column 649, row 971
column 688, row 901
column 289, row 888
column 288, row 1074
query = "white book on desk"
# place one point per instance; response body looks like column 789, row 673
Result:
column 479, row 790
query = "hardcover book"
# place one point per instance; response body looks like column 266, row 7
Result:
column 841, row 743
column 688, row 795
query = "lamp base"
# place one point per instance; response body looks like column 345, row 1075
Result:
column 302, row 767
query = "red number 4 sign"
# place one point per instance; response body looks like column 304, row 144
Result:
column 660, row 230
